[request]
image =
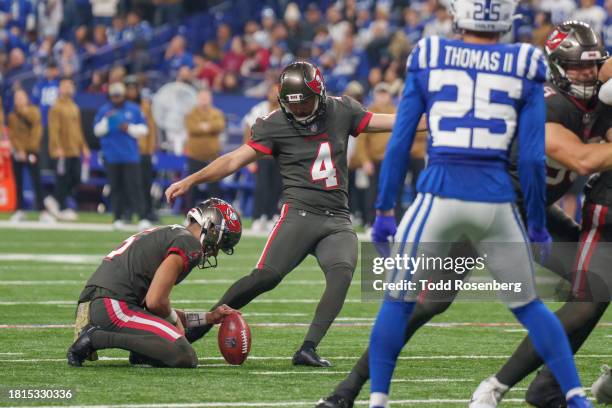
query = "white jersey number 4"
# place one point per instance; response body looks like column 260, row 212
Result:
column 323, row 167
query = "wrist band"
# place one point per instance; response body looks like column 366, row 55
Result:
column 172, row 317
column 195, row 319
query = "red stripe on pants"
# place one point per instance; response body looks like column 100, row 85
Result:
column 149, row 324
column 589, row 239
column 264, row 254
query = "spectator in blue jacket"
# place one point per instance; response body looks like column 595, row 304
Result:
column 118, row 124
column 46, row 91
column 177, row 56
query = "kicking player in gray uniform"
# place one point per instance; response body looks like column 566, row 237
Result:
column 308, row 138
column 126, row 302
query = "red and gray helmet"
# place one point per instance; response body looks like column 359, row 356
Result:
column 221, row 228
column 300, row 81
column 575, row 44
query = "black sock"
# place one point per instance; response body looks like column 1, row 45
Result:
column 351, row 386
column 307, row 345
column 353, row 383
column 578, row 320
column 337, row 282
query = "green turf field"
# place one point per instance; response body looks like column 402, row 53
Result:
column 439, row 368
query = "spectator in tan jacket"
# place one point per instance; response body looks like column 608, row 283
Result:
column 268, row 182
column 204, row 125
column 371, row 146
column 66, row 145
column 146, row 144
column 25, row 134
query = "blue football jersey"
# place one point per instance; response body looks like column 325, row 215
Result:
column 478, row 99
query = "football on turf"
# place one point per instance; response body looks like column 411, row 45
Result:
column 234, row 339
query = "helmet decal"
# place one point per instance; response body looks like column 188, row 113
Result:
column 317, row 83
column 590, row 55
column 295, row 97
column 555, row 39
column 299, row 82
column 575, row 44
column 221, row 228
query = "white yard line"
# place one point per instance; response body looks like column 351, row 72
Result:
column 398, row 380
column 55, row 258
column 287, row 358
column 285, row 324
column 179, row 301
column 97, row 227
column 266, row 404
column 187, row 282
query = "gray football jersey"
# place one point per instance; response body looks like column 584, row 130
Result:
column 127, row 271
column 313, row 159
column 590, row 125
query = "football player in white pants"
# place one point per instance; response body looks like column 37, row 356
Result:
column 479, row 96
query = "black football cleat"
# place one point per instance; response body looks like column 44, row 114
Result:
column 81, row 348
column 544, row 392
column 309, row 357
column 334, row 401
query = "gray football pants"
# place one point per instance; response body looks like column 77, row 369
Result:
column 130, row 327
column 298, row 233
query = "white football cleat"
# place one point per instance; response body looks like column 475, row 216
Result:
column 488, row 394
column 18, row 216
column 68, row 215
column 259, row 225
column 144, row 224
column 602, row 387
column 46, row 217
column 118, row 225
column 52, row 206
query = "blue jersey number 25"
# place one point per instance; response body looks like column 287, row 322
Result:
column 473, row 104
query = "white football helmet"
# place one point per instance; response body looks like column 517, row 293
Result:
column 490, row 16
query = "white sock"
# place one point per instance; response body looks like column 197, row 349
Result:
column 379, row 399
column 573, row 392
column 502, row 387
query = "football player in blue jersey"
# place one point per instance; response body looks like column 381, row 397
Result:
column 479, row 96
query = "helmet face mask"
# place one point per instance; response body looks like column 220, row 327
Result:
column 221, row 229
column 575, row 54
column 302, row 93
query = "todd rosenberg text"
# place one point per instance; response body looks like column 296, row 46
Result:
column 451, row 284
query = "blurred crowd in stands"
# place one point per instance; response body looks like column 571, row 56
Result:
column 52, row 49
column 240, row 45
